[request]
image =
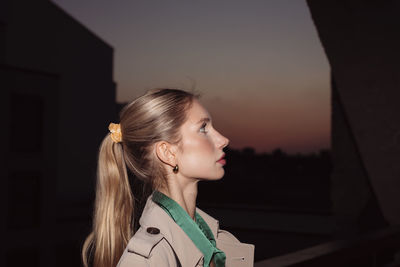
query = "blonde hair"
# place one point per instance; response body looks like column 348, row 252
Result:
column 153, row 117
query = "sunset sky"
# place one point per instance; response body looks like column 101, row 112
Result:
column 258, row 64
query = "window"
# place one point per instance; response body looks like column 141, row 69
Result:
column 26, row 123
column 24, row 200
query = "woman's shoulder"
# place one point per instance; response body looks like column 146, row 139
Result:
column 148, row 247
column 227, row 236
column 237, row 253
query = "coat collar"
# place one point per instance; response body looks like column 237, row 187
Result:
column 154, row 216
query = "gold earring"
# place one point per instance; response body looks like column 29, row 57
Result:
column 175, row 169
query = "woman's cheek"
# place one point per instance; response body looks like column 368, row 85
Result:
column 197, row 161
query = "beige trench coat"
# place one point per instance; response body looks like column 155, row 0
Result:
column 160, row 242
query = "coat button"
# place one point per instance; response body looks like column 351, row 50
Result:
column 153, row 230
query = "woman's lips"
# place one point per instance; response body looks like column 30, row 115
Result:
column 222, row 160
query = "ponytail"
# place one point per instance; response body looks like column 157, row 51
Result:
column 153, row 117
column 113, row 212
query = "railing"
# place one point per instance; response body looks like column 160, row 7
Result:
column 381, row 248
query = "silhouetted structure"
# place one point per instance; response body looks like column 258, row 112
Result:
column 57, row 96
column 361, row 41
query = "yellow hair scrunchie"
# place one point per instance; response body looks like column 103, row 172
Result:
column 115, row 130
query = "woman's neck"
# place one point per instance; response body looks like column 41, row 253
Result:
column 184, row 194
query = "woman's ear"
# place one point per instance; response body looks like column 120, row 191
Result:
column 166, row 153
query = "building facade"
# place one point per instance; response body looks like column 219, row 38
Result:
column 57, row 98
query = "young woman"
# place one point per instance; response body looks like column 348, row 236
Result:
column 166, row 139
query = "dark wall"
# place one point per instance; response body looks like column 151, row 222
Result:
column 362, row 42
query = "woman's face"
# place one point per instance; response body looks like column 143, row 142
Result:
column 201, row 147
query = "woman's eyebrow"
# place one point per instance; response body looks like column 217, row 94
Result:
column 204, row 120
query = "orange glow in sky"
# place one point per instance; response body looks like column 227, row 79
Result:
column 259, row 64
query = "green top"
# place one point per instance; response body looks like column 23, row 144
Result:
column 198, row 231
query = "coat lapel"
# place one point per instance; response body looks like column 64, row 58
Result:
column 186, row 251
column 212, row 223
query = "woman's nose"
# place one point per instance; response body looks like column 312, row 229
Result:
column 226, row 142
column 222, row 141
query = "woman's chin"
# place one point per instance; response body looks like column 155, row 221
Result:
column 219, row 177
column 214, row 178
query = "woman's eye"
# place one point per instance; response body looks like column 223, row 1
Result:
column 203, row 128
